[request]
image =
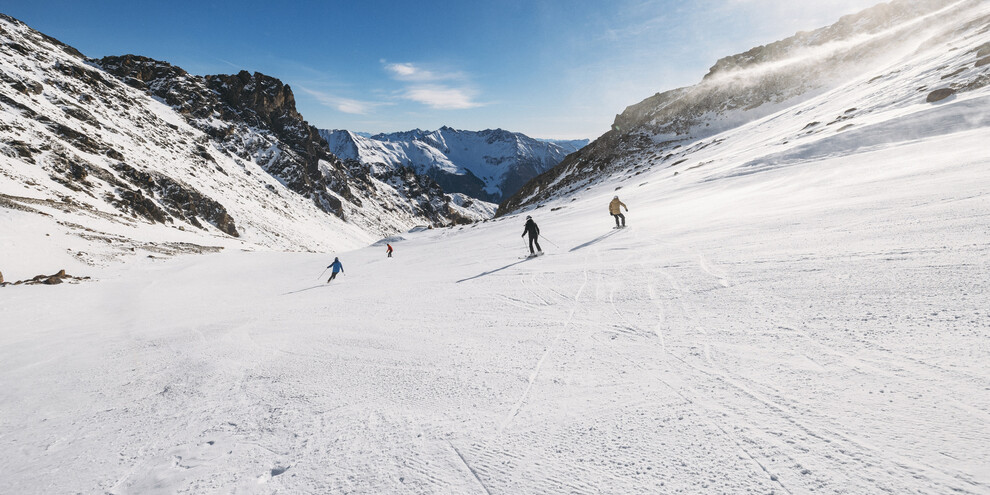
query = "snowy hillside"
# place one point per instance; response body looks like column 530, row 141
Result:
column 798, row 305
column 128, row 156
column 878, row 65
column 816, row 323
column 488, row 165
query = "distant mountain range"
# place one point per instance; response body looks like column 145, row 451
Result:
column 490, row 164
column 938, row 44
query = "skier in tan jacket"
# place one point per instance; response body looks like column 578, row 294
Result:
column 613, row 209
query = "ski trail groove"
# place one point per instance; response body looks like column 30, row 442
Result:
column 827, row 435
column 833, row 434
column 705, row 410
column 661, row 316
column 471, row 469
column 539, row 365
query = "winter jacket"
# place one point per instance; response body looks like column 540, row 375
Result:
column 531, row 229
column 613, row 207
column 337, row 267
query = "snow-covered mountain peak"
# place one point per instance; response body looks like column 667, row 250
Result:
column 487, row 164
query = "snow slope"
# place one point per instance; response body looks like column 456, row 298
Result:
column 798, row 306
column 882, row 63
column 803, row 319
column 121, row 167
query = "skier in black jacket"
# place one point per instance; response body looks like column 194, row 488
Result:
column 534, row 234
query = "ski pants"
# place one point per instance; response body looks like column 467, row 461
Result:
column 533, row 240
column 617, row 217
column 332, row 276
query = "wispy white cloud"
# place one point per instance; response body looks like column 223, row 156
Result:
column 438, row 89
column 442, row 97
column 413, row 72
column 633, row 31
column 345, row 105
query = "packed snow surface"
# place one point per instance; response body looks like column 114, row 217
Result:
column 812, row 322
column 796, row 307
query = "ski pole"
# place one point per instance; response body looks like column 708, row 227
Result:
column 321, row 273
column 551, row 242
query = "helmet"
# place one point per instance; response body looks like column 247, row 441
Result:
column 528, row 217
column 615, row 197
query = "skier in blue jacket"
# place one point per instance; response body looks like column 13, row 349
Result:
column 337, row 267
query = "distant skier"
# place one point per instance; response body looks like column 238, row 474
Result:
column 337, row 267
column 389, row 250
column 613, row 209
column 534, row 233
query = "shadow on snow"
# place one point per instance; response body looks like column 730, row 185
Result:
column 492, row 271
column 306, row 289
column 597, row 239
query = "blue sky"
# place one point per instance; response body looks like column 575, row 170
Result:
column 550, row 69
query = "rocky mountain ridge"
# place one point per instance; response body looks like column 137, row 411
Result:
column 232, row 109
column 128, row 151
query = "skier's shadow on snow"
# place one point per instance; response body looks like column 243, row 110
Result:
column 597, row 239
column 492, row 271
column 306, row 289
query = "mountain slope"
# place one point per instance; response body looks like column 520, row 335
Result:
column 817, row 327
column 128, row 153
column 797, row 308
column 894, row 55
column 488, row 165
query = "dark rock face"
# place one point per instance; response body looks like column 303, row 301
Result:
column 244, row 101
column 180, row 201
column 152, row 196
column 940, row 94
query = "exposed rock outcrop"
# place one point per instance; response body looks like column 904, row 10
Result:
column 54, row 279
column 940, row 94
